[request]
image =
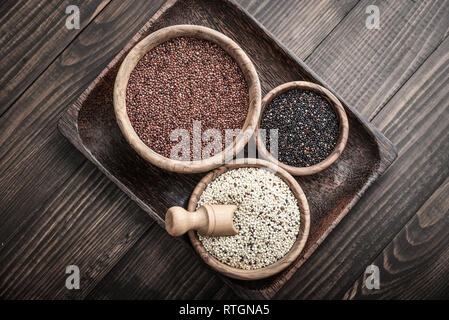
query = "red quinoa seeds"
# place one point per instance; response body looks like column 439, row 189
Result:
column 181, row 81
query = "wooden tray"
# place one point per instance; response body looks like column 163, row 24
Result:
column 90, row 125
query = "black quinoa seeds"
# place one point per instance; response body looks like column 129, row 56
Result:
column 308, row 127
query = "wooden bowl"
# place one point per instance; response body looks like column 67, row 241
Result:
column 279, row 265
column 343, row 126
column 234, row 51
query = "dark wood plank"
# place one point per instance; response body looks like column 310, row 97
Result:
column 32, row 35
column 415, row 264
column 368, row 153
column 36, row 162
column 35, row 159
column 367, row 67
column 417, row 121
column 300, row 25
column 77, row 225
column 153, row 270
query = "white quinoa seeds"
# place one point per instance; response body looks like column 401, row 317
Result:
column 267, row 218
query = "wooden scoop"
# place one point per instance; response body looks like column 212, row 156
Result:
column 208, row 220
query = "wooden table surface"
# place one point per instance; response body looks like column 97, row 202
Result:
column 57, row 209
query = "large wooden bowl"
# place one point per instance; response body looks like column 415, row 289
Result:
column 149, row 43
column 343, row 127
column 279, row 265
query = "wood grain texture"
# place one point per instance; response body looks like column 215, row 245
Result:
column 153, row 270
column 294, row 251
column 416, row 263
column 368, row 153
column 32, row 35
column 367, row 67
column 38, row 162
column 417, row 121
column 35, row 159
column 232, row 49
column 299, row 24
column 77, row 226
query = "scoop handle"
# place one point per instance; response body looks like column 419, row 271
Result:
column 208, row 220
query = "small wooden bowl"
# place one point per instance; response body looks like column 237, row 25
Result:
column 343, row 126
column 279, row 265
column 234, row 51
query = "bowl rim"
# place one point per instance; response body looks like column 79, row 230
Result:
column 343, row 127
column 294, row 251
column 200, row 32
